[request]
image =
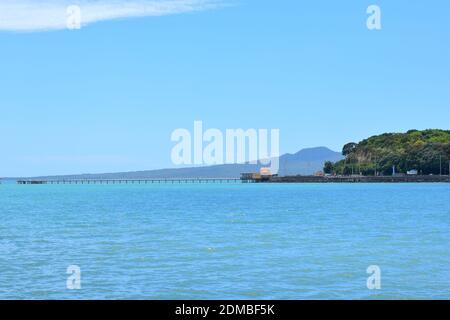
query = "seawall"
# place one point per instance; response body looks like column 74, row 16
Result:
column 360, row 179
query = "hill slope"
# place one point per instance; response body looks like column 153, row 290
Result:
column 427, row 151
column 304, row 162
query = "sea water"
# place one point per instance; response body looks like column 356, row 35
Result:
column 225, row 241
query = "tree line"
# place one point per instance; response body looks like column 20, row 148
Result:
column 427, row 151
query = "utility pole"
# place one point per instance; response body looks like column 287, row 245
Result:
column 376, row 166
column 345, row 166
column 359, row 165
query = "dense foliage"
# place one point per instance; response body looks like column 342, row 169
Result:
column 426, row 151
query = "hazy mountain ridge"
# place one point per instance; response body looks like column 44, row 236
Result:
column 305, row 162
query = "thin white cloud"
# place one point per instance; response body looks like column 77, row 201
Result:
column 33, row 15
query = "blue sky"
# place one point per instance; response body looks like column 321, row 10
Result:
column 107, row 97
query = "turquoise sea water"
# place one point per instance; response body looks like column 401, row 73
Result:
column 219, row 241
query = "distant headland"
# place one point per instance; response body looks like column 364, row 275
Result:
column 415, row 152
column 414, row 156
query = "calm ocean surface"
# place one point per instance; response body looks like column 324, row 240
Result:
column 236, row 241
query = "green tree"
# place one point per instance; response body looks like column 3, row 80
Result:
column 328, row 167
column 349, row 148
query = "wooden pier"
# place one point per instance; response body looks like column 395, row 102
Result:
column 245, row 179
column 131, row 181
